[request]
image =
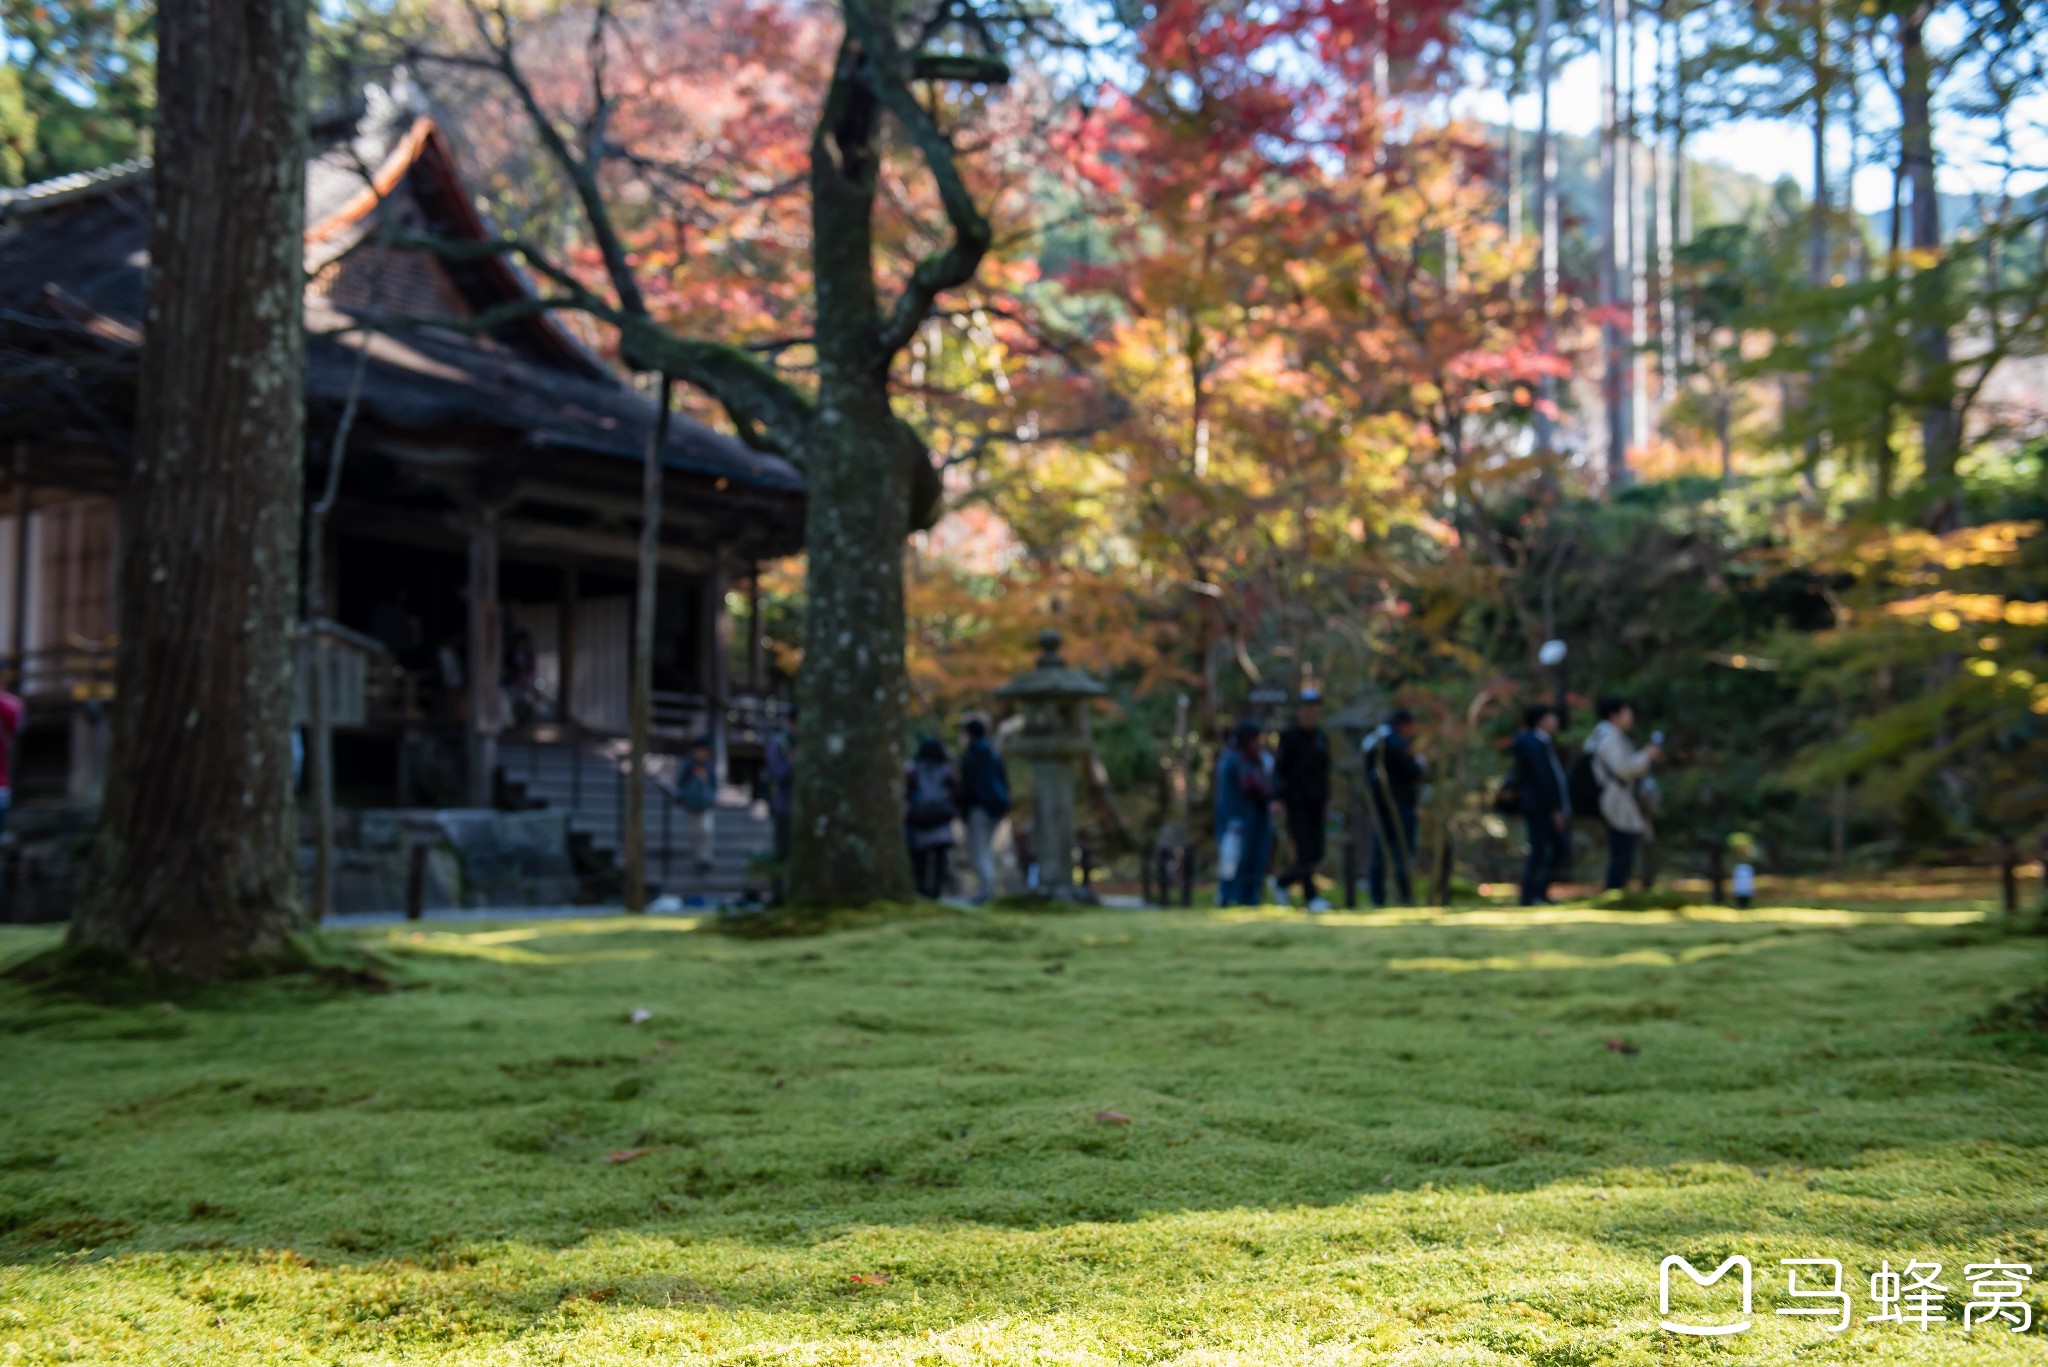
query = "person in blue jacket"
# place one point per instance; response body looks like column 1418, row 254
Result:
column 1244, row 819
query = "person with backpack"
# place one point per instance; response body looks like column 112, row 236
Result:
column 1393, row 785
column 1615, row 769
column 1545, row 800
column 1301, row 777
column 1244, row 821
column 931, row 801
column 697, row 794
column 985, row 793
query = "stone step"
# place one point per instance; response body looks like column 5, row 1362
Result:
column 547, row 774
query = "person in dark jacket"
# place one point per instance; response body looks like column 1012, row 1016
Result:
column 1244, row 822
column 1301, row 779
column 1393, row 783
column 1546, row 801
column 931, row 801
column 985, row 796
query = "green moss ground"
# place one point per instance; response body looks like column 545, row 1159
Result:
column 1428, row 1138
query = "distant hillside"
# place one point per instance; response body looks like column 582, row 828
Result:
column 1959, row 214
column 1721, row 193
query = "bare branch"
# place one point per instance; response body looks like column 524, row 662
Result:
column 1017, row 436
column 581, row 173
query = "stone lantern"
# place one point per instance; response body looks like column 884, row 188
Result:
column 1055, row 741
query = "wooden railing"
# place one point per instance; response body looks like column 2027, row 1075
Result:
column 686, row 716
column 81, row 671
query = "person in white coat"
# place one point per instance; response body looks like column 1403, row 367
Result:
column 1620, row 767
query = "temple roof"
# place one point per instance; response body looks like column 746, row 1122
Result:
column 74, row 257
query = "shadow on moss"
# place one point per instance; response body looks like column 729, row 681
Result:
column 796, row 920
column 107, row 977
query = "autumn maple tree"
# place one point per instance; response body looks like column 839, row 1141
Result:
column 894, row 84
column 1318, row 336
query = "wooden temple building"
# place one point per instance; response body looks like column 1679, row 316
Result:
column 481, row 556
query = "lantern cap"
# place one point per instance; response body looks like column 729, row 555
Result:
column 1051, row 679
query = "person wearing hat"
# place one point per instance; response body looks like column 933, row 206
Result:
column 1393, row 784
column 1244, row 824
column 1301, row 777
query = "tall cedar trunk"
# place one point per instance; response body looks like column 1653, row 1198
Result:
column 195, row 863
column 852, row 689
column 1546, row 208
column 1663, row 212
column 1817, row 254
column 1939, row 435
column 1638, row 249
column 1614, row 249
column 1681, row 184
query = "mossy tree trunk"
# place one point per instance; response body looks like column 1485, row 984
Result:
column 195, row 863
column 852, row 688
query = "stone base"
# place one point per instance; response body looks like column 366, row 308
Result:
column 46, row 852
column 476, row 857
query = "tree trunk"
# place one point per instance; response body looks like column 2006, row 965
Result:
column 1614, row 278
column 1939, row 434
column 1817, row 253
column 1513, row 167
column 195, row 867
column 1723, row 440
column 1638, row 260
column 1546, row 209
column 852, row 689
column 1681, row 186
column 1663, row 211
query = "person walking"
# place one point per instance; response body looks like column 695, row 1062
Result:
column 1546, row 801
column 1620, row 768
column 1301, row 775
column 1244, row 822
column 931, row 801
column 697, row 793
column 985, row 794
column 1393, row 783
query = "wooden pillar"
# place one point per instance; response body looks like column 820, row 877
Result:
column 640, row 705
column 24, row 509
column 565, row 647
column 757, row 661
column 485, row 655
column 715, row 629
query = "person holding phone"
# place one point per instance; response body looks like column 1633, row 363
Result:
column 1620, row 769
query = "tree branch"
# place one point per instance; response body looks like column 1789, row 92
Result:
column 956, row 264
column 1119, row 410
column 582, row 174
column 766, row 409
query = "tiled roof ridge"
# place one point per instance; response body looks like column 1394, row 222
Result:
column 77, row 185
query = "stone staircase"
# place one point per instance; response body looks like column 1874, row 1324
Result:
column 591, row 787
